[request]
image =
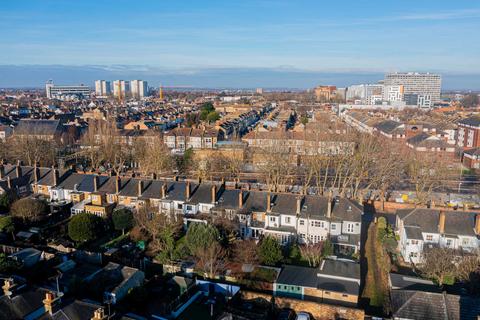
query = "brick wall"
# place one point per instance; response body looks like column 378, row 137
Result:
column 319, row 311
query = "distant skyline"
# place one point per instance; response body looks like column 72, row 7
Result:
column 178, row 38
column 35, row 76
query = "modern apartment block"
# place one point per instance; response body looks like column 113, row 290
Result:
column 102, row 88
column 139, row 88
column 469, row 133
column 66, row 92
column 425, row 84
column 366, row 93
column 393, row 93
column 121, row 88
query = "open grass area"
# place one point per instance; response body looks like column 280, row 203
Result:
column 376, row 287
column 116, row 241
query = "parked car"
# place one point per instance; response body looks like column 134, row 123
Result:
column 303, row 316
column 286, row 314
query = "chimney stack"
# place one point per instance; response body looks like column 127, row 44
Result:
column 18, row 169
column 214, row 194
column 9, row 183
column 269, row 202
column 50, row 302
column 441, row 222
column 99, row 314
column 2, row 171
column 240, row 199
column 154, row 176
column 117, row 184
column 477, row 224
column 164, row 191
column 8, row 286
column 55, row 176
column 95, row 183
column 140, row 188
column 187, row 191
column 299, row 205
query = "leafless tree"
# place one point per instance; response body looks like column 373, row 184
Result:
column 153, row 157
column 245, row 251
column 211, row 259
column 425, row 173
column 312, row 253
column 438, row 263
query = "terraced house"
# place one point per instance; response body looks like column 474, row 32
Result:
column 285, row 216
column 419, row 229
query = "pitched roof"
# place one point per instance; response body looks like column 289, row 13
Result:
column 387, row 126
column 471, row 121
column 38, row 127
column 456, row 222
column 419, row 305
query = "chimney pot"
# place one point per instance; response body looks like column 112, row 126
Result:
column 240, row 199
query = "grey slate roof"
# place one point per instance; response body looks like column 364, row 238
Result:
column 472, row 121
column 256, row 201
column 228, row 199
column 21, row 304
column 414, row 232
column 387, row 126
column 340, row 268
column 403, row 282
column 82, row 182
column 202, row 193
column 75, row 310
column 456, row 222
column 421, row 305
column 38, row 127
column 298, row 276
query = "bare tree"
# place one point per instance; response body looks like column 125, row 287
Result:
column 154, row 157
column 211, row 259
column 245, row 251
column 438, row 263
column 425, row 173
column 312, row 253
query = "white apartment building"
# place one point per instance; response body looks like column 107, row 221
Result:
column 426, row 84
column 393, row 93
column 102, row 88
column 66, row 92
column 139, row 88
column 367, row 93
column 121, row 88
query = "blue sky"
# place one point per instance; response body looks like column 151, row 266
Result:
column 188, row 36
